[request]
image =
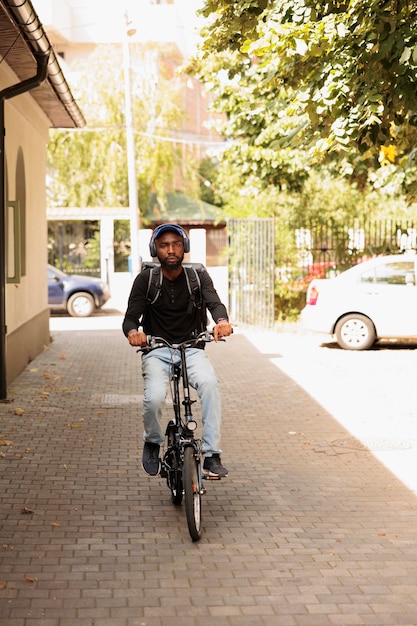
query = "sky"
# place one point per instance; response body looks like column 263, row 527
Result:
column 105, row 22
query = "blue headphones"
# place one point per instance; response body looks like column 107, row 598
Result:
column 168, row 228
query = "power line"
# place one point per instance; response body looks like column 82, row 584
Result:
column 94, row 129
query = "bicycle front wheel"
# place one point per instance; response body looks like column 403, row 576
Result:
column 174, row 477
column 192, row 492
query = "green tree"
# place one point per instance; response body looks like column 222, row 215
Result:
column 89, row 167
column 336, row 79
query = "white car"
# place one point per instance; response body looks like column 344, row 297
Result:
column 372, row 300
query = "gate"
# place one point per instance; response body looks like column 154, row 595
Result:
column 251, row 271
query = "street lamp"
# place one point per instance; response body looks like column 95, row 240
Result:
column 130, row 146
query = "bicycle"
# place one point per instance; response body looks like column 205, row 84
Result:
column 181, row 463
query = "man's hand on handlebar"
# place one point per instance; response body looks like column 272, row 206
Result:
column 222, row 329
column 137, row 338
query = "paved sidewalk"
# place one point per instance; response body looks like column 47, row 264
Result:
column 302, row 533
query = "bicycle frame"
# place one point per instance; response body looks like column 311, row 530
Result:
column 181, row 463
column 183, row 426
column 180, row 372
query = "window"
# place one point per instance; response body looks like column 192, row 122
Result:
column 13, row 242
column 21, row 199
column 393, row 273
column 368, row 277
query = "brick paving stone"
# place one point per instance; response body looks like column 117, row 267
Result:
column 302, row 533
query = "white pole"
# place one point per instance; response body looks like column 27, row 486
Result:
column 131, row 160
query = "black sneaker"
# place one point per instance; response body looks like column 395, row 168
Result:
column 150, row 458
column 213, row 467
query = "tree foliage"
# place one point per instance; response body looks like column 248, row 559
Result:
column 336, row 80
column 89, row 167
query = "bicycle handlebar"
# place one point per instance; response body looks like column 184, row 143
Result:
column 159, row 342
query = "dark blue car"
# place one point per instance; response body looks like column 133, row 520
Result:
column 80, row 296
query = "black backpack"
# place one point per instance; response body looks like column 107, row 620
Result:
column 193, row 273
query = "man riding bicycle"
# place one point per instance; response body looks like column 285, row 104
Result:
column 170, row 315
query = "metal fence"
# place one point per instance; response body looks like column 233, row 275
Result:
column 330, row 247
column 251, row 271
column 318, row 251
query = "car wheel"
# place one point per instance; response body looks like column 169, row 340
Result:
column 355, row 332
column 80, row 304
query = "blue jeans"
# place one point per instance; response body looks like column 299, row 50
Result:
column 156, row 371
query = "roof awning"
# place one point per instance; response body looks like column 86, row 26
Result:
column 22, row 37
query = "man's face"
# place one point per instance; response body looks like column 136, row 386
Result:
column 170, row 250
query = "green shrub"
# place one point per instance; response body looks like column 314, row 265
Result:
column 289, row 301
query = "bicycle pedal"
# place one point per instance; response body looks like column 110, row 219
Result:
column 208, row 477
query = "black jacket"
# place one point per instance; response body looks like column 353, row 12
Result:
column 170, row 315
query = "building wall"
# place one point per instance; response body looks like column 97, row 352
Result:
column 27, row 312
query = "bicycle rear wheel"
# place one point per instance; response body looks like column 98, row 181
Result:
column 192, row 491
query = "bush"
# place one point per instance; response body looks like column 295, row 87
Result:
column 288, row 302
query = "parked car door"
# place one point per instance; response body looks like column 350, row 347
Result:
column 388, row 295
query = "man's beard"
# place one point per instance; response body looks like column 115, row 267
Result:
column 173, row 264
